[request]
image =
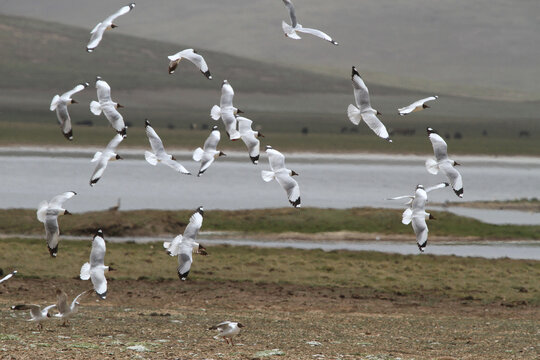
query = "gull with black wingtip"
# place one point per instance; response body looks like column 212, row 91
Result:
column 159, row 154
column 443, row 163
column 227, row 111
column 192, row 56
column 47, row 213
column 99, row 29
column 95, row 269
column 108, row 107
column 282, row 175
column 60, row 104
column 208, row 152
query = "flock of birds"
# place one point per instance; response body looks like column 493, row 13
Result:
column 237, row 127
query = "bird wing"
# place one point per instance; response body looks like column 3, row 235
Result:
column 206, row 160
column 67, row 95
column 97, row 275
column 227, row 94
column 375, row 124
column 51, row 230
column 122, row 11
column 229, row 120
column 115, row 118
column 210, row 144
column 435, row 187
column 401, row 197
column 113, row 144
column 97, row 254
column 223, row 326
column 198, row 60
column 192, row 229
column 175, row 165
column 8, row 276
column 185, row 258
column 76, row 300
column 103, row 91
column 64, row 120
column 315, row 32
column 61, row 302
column 453, row 176
column 420, row 229
column 252, row 144
column 292, row 12
column 439, row 147
column 155, row 140
column 35, row 310
column 100, row 168
column 276, row 159
column 96, row 36
column 361, row 92
column 290, row 186
column 244, row 124
column 58, row 200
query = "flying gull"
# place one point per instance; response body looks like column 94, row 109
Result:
column 443, row 163
column 159, row 154
column 192, row 56
column 95, row 269
column 66, row 311
column 99, row 29
column 282, row 175
column 227, row 330
column 249, row 137
column 416, row 106
column 36, row 313
column 184, row 245
column 8, row 276
column 48, row 213
column 208, row 153
column 60, row 104
column 108, row 107
column 104, row 157
column 227, row 111
column 290, row 30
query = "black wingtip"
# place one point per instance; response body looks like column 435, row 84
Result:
column 146, row 123
column 183, row 276
column 103, row 296
column 255, row 159
column 354, row 72
column 53, row 252
column 123, row 132
column 99, row 233
column 459, row 192
column 200, row 210
column 93, row 181
column 295, row 203
column 422, row 247
column 69, row 135
column 207, row 74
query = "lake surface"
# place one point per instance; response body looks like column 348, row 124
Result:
column 31, row 175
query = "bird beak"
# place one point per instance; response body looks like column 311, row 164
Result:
column 118, row 106
column 114, row 26
column 173, row 158
column 67, row 212
column 293, row 173
column 221, row 153
column 238, row 111
column 111, row 269
column 456, row 163
column 118, row 157
column 431, row 217
column 259, row 134
column 73, row 101
column 378, row 113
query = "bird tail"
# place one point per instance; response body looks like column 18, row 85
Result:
column 95, row 108
column 97, row 155
column 289, row 31
column 54, row 102
column 431, row 166
column 215, row 112
column 42, row 210
column 354, row 114
column 151, row 158
column 197, row 154
column 268, row 175
column 85, row 271
column 173, row 248
column 407, row 216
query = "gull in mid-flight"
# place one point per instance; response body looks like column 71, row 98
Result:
column 227, row 330
column 159, row 154
column 282, row 175
column 416, row 212
column 99, row 29
column 66, row 311
column 104, row 157
column 363, row 109
column 95, row 269
column 184, row 245
column 60, row 104
column 416, row 106
column 192, row 56
column 249, row 137
column 8, row 276
column 36, row 313
column 227, row 111
column 47, row 213
column 290, row 30
column 108, row 107
column 443, row 163
column 208, row 152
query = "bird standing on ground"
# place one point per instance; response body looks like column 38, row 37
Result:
column 290, row 30
column 208, row 152
column 282, row 175
column 95, row 269
column 99, row 29
column 66, row 311
column 60, row 104
column 159, row 154
column 416, row 106
column 227, row 330
column 184, row 245
column 249, row 137
column 192, row 56
column 37, row 314
column 443, row 163
column 108, row 107
column 364, row 111
column 104, row 157
column 47, row 213
column 227, row 111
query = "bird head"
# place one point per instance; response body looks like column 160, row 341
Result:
column 200, row 210
column 419, row 187
column 268, row 147
column 173, row 158
column 377, row 112
column 202, row 250
column 221, row 153
column 146, row 123
column 354, row 72
column 73, row 101
column 456, row 163
column 48, row 314
column 99, row 233
column 293, row 173
column 240, row 325
column 118, row 106
column 259, row 134
column 431, row 131
column 118, row 157
column 238, row 111
column 67, row 212
column 215, row 127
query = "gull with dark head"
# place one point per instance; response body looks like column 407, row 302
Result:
column 282, row 175
column 95, row 269
column 363, row 109
column 65, row 310
column 416, row 106
column 192, row 56
column 208, row 152
column 227, row 111
column 108, row 107
column 108, row 23
column 227, row 330
column 250, row 138
column 443, row 163
column 291, row 30
column 184, row 245
column 103, row 158
column 36, row 313
column 60, row 104
column 158, row 153
column 47, row 213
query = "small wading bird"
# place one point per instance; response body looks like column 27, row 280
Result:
column 104, row 157
column 192, row 56
column 416, row 106
column 282, row 175
column 95, row 269
column 159, row 154
column 416, row 212
column 227, row 111
column 208, row 152
column 66, row 311
column 47, row 213
column 36, row 314
column 249, row 137
column 443, row 163
column 227, row 330
column 184, row 245
column 108, row 107
column 290, row 30
column 364, row 111
column 60, row 104
column 99, row 29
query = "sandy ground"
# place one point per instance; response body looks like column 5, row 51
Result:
column 169, row 320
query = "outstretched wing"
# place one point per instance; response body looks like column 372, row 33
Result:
column 57, row 201
column 292, row 12
column 361, row 92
